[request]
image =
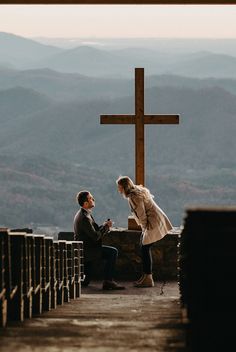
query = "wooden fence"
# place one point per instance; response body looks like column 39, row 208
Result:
column 37, row 273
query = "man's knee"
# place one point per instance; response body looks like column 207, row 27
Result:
column 115, row 251
column 111, row 251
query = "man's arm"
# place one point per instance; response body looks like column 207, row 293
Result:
column 104, row 229
column 87, row 227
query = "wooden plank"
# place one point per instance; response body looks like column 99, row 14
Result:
column 46, row 273
column 71, row 269
column 76, row 250
column 28, row 265
column 117, row 119
column 59, row 267
column 16, row 302
column 64, row 268
column 161, row 119
column 130, row 119
column 3, row 300
column 37, row 296
column 124, row 2
column 53, row 281
column 27, row 276
column 139, row 126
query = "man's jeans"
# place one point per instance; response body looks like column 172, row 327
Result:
column 109, row 255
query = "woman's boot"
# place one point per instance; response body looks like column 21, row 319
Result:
column 147, row 281
column 139, row 280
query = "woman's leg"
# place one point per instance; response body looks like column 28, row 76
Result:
column 146, row 280
column 147, row 258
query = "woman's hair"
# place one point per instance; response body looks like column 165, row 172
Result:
column 126, row 183
column 129, row 187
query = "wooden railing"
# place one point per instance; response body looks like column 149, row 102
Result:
column 206, row 276
column 36, row 273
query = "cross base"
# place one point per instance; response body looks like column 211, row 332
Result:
column 132, row 224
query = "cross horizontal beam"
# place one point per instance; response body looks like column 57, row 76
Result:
column 117, row 119
column 130, row 119
column 161, row 119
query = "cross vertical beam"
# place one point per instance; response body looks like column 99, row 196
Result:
column 139, row 126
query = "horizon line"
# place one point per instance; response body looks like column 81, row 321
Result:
column 116, row 37
column 127, row 38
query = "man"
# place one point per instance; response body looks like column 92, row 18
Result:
column 86, row 230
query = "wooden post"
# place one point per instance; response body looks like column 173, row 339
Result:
column 139, row 126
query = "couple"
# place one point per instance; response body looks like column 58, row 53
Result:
column 153, row 221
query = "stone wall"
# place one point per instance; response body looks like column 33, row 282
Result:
column 129, row 264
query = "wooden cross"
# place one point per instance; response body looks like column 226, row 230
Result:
column 139, row 120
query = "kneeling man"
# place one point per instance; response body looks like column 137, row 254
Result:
column 86, row 230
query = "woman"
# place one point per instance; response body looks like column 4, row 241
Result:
column 153, row 221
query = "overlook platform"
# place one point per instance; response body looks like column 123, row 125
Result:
column 144, row 319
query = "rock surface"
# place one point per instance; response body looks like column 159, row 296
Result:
column 136, row 319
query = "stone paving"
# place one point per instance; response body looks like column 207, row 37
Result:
column 136, row 319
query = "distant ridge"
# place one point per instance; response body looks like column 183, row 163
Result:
column 61, row 129
column 199, row 59
column 166, row 45
column 19, row 51
column 207, row 65
column 20, row 101
column 74, row 86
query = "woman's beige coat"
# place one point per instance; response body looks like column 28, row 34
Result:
column 154, row 222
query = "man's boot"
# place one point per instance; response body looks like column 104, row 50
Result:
column 111, row 285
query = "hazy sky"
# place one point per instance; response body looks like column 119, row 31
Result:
column 209, row 21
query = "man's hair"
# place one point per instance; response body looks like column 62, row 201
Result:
column 82, row 197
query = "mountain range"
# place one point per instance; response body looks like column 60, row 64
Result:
column 61, row 129
column 73, row 86
column 52, row 144
column 22, row 53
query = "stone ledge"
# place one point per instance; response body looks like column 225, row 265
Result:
column 129, row 264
